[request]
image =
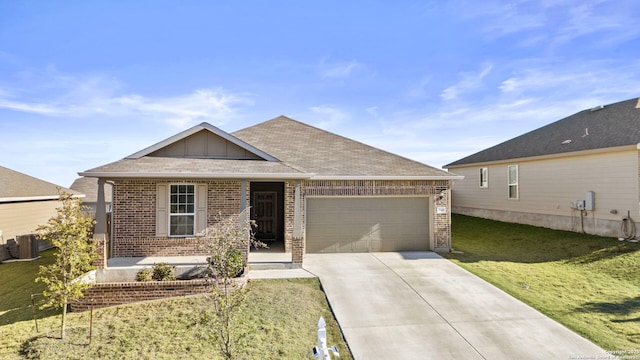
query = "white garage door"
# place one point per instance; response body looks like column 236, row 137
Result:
column 367, row 224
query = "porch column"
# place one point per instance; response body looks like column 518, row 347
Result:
column 100, row 229
column 243, row 195
column 101, row 210
column 297, row 243
column 297, row 213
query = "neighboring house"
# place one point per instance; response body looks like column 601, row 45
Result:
column 89, row 187
column 581, row 173
column 25, row 203
column 310, row 189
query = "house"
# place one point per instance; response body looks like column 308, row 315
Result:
column 308, row 190
column 89, row 187
column 25, row 203
column 581, row 173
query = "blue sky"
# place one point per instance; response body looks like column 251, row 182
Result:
column 85, row 83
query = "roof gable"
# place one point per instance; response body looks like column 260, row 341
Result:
column 601, row 127
column 203, row 141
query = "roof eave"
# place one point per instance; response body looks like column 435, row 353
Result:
column 548, row 156
column 35, row 198
column 190, row 175
column 388, row 177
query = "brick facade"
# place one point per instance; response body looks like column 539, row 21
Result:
column 111, row 294
column 438, row 190
column 134, row 217
column 134, row 211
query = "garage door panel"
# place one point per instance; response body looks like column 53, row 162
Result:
column 367, row 224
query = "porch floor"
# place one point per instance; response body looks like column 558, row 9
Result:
column 273, row 255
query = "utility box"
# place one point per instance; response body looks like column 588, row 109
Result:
column 590, row 201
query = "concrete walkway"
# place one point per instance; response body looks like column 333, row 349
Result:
column 417, row 305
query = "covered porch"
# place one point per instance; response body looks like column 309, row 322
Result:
column 251, row 194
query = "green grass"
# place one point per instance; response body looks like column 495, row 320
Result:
column 280, row 322
column 588, row 283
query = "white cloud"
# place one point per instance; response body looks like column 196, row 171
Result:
column 339, row 69
column 83, row 97
column 468, row 81
column 328, row 116
column 554, row 23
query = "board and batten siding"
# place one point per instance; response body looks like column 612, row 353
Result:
column 550, row 186
column 22, row 218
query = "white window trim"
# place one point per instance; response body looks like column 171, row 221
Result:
column 516, row 183
column 485, row 184
column 194, row 214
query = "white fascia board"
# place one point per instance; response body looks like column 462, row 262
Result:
column 185, row 175
column 36, row 198
column 418, row 177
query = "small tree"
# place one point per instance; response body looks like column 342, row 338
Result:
column 70, row 231
column 223, row 242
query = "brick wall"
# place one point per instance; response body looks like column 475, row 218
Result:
column 110, row 294
column 135, row 211
column 134, row 217
column 438, row 190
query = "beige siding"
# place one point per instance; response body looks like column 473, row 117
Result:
column 204, row 144
column 550, row 186
column 23, row 218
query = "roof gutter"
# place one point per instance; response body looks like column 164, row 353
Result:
column 190, row 175
column 390, row 177
column 35, row 198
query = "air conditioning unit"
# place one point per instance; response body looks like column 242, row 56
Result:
column 28, row 246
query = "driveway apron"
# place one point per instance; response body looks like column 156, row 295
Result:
column 417, row 305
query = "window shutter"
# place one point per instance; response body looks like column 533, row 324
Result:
column 162, row 214
column 201, row 208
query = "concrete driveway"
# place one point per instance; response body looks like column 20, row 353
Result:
column 417, row 305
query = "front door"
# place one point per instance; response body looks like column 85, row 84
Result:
column 265, row 207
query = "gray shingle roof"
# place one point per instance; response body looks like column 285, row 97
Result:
column 16, row 186
column 292, row 150
column 317, row 151
column 188, row 167
column 612, row 125
column 89, row 187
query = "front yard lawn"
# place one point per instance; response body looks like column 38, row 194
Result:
column 280, row 323
column 588, row 283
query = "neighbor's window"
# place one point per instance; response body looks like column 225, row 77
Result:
column 513, row 181
column 484, row 177
column 182, row 210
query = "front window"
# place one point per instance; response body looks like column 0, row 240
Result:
column 182, row 210
column 513, row 181
column 484, row 177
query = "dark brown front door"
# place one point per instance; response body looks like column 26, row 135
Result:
column 265, row 206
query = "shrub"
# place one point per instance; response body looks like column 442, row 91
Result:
column 163, row 272
column 144, row 275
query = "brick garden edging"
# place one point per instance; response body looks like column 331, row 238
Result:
column 110, row 294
